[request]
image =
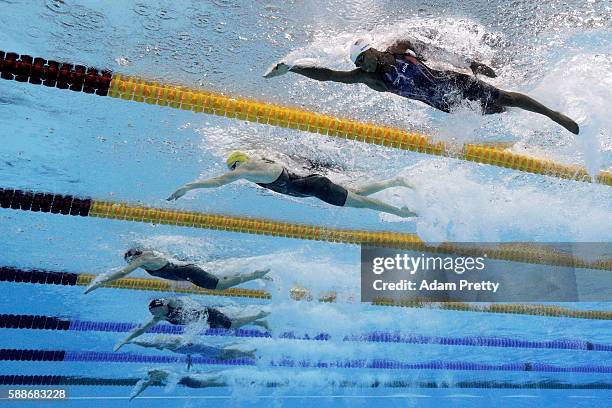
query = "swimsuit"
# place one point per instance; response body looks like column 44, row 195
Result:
column 313, row 185
column 189, row 272
column 193, row 382
column 443, row 90
column 186, row 315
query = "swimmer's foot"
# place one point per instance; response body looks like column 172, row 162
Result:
column 566, row 122
column 263, row 314
column 406, row 213
column 262, row 274
column 262, row 323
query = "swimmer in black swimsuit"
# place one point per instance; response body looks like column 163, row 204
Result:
column 274, row 176
column 194, row 380
column 160, row 266
column 184, row 311
column 400, row 70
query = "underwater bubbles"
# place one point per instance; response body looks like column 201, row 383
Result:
column 58, row 6
column 150, row 24
column 166, row 14
column 195, row 67
column 199, row 19
column 225, row 3
column 142, row 9
column 88, row 18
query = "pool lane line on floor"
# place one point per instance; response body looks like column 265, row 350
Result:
column 79, row 78
column 38, row 322
column 70, row 205
column 59, row 356
column 76, row 380
column 36, row 276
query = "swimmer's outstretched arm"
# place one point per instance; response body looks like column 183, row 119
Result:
column 111, row 277
column 426, row 51
column 153, row 377
column 214, row 182
column 140, row 330
column 317, row 73
column 140, row 386
column 148, row 344
column 325, row 74
column 172, row 343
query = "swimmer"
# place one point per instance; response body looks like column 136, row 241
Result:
column 184, row 311
column 156, row 264
column 162, row 377
column 276, row 177
column 400, row 69
column 178, row 345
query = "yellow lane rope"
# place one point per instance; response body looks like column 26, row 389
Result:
column 140, row 90
column 508, row 308
column 527, row 253
column 248, row 225
column 300, row 293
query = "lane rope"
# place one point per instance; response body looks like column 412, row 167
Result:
column 36, row 322
column 67, row 204
column 10, row 274
column 75, row 380
column 384, row 364
column 78, row 78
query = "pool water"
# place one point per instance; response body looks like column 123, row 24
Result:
column 110, row 149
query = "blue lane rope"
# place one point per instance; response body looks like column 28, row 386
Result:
column 17, row 379
column 385, row 364
column 374, row 337
column 54, row 323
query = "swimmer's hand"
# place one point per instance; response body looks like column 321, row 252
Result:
column 179, row 193
column 95, row 284
column 479, row 68
column 119, row 345
column 277, row 70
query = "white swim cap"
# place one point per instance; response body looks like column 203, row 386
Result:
column 358, row 46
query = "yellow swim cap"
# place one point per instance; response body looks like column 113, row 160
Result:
column 236, row 157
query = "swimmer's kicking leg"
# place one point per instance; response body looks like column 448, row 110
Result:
column 358, row 197
column 371, row 188
column 518, row 100
column 234, row 279
column 359, row 201
column 262, row 323
column 254, row 319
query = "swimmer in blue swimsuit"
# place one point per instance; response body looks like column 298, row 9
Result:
column 400, row 69
column 185, row 311
column 158, row 265
column 274, row 176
